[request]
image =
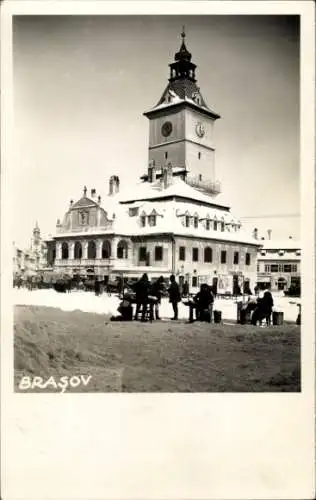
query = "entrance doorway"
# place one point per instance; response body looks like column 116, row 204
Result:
column 281, row 284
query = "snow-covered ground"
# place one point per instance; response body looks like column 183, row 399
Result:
column 104, row 304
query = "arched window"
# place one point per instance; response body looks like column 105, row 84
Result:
column 78, row 250
column 92, row 251
column 122, row 250
column 106, row 249
column 64, row 251
column 208, row 254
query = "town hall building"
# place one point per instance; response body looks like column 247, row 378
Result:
column 174, row 220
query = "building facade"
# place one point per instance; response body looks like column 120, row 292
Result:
column 279, row 264
column 31, row 261
column 174, row 220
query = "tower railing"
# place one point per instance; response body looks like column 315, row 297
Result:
column 212, row 187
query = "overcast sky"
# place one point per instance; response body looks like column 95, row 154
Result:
column 81, row 85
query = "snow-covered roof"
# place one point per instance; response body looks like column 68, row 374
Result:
column 288, row 244
column 177, row 188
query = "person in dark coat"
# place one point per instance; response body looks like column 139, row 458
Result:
column 97, row 287
column 174, row 296
column 264, row 309
column 202, row 303
column 156, row 290
column 141, row 289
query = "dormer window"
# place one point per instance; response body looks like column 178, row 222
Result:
column 143, row 221
column 152, row 219
column 207, row 224
column 222, row 226
column 298, row 252
column 187, row 221
column 263, row 252
column 215, row 225
column 196, row 222
column 281, row 252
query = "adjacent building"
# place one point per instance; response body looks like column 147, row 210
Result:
column 30, row 261
column 279, row 264
column 175, row 218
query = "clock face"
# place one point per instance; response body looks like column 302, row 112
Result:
column 200, row 129
column 166, row 129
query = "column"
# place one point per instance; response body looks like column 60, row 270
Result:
column 58, row 250
column 71, row 247
column 99, row 249
column 85, row 249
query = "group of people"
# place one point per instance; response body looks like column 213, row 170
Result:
column 258, row 309
column 147, row 297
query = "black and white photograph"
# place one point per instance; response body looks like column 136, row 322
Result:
column 157, row 250
column 160, row 236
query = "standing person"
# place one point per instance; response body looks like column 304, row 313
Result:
column 156, row 291
column 174, row 295
column 142, row 290
column 185, row 289
column 266, row 306
column 97, row 287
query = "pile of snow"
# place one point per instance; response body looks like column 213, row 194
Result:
column 104, row 304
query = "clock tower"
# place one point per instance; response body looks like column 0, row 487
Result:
column 181, row 127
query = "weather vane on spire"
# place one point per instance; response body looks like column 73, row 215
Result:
column 183, row 32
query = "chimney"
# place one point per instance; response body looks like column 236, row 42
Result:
column 262, row 238
column 165, row 177
column 93, row 193
column 255, row 233
column 152, row 172
column 111, row 186
column 71, row 202
column 85, row 191
column 114, row 185
column 99, row 200
column 290, row 237
column 269, row 234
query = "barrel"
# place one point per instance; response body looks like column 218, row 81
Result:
column 277, row 318
column 217, row 316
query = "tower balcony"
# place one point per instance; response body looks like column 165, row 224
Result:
column 209, row 187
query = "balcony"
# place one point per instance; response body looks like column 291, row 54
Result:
column 210, row 187
column 84, row 229
column 84, row 262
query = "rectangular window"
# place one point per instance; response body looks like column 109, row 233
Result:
column 294, row 268
column 223, row 256
column 195, row 254
column 236, row 258
column 142, row 253
column 258, row 268
column 166, row 155
column 215, row 225
column 199, row 156
column 274, row 268
column 181, row 253
column 158, row 253
column 267, row 268
column 281, row 268
column 187, row 221
column 287, row 268
column 194, row 281
column 248, row 259
column 143, row 221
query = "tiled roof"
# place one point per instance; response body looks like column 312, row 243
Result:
column 183, row 88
